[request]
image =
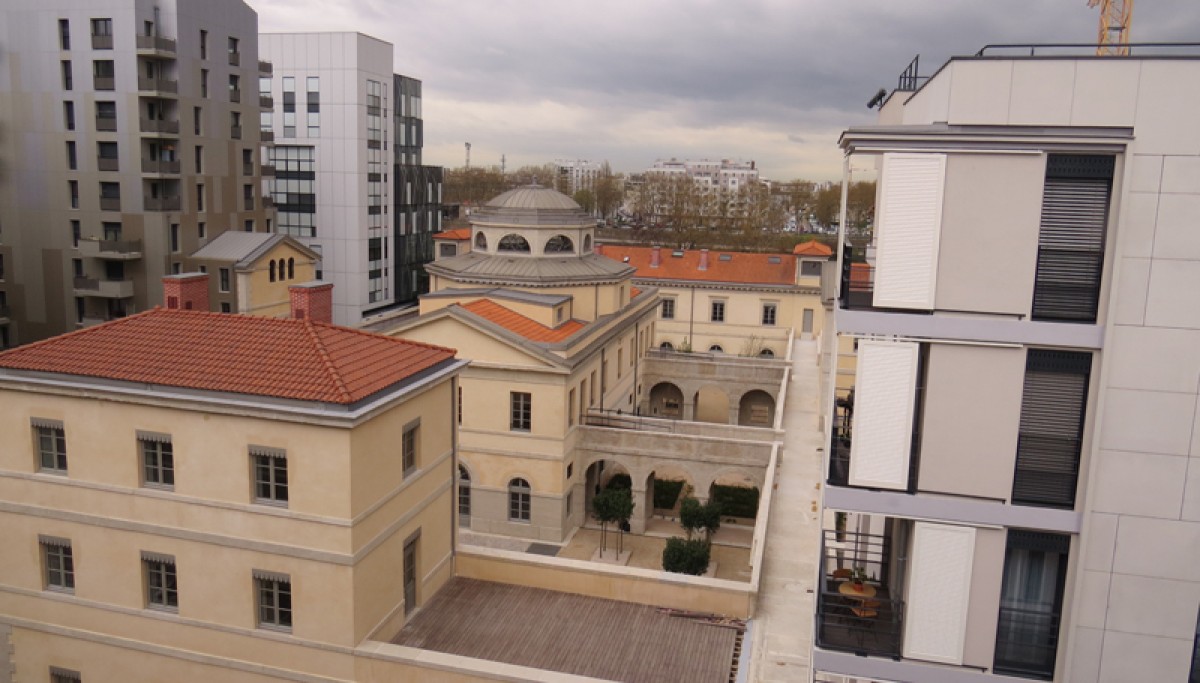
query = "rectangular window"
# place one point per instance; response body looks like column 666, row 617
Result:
column 103, row 74
column 571, row 408
column 101, row 27
column 204, row 83
column 520, row 411
column 64, row 34
column 158, row 460
column 58, row 563
column 769, row 312
column 196, row 116
column 203, row 44
column 199, row 197
column 717, row 313
column 274, row 600
column 199, row 159
column 667, row 311
column 1074, row 220
column 174, row 237
column 270, row 476
column 58, row 675
column 51, row 445
column 72, row 162
column 76, row 233
column 226, row 307
column 201, row 230
column 408, row 447
column 162, row 589
column 1031, row 596
column 1053, row 406
column 69, row 115
column 409, row 575
column 73, row 190
column 67, row 81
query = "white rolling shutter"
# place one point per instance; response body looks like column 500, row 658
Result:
column 908, row 224
column 939, row 589
column 884, row 389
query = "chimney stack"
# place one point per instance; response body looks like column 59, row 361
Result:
column 186, row 291
column 312, row 301
column 598, row 249
column 703, row 259
column 655, row 256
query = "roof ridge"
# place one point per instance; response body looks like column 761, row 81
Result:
column 327, row 360
column 376, row 335
column 75, row 333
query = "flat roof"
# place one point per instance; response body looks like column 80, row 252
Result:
column 575, row 634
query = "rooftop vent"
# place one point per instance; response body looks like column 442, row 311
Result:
column 677, row 254
column 725, row 257
column 774, row 259
column 625, row 260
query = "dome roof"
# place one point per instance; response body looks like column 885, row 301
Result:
column 532, row 206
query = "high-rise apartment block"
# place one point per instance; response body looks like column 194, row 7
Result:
column 130, row 141
column 724, row 174
column 1013, row 474
column 348, row 182
column 576, row 174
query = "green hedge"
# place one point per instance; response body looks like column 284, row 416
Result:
column 620, row 481
column 685, row 557
column 666, row 493
column 736, row 501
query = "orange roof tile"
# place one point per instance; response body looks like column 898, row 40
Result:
column 456, row 234
column 634, row 292
column 741, row 267
column 812, row 248
column 522, row 325
column 278, row 357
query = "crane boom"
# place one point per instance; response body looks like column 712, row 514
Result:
column 1113, row 34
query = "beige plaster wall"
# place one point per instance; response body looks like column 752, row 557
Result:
column 987, row 575
column 263, row 297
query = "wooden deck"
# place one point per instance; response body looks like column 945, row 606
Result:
column 574, row 634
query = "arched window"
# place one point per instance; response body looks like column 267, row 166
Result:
column 291, row 268
column 587, row 244
column 518, row 500
column 272, row 271
column 667, row 345
column 513, row 243
column 716, row 348
column 464, row 497
column 560, row 244
column 282, row 265
column 480, row 241
column 767, row 353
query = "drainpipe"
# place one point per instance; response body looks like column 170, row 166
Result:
column 637, row 353
column 454, row 469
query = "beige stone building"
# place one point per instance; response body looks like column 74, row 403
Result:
column 250, row 272
column 193, row 496
column 134, row 126
column 728, row 302
column 1013, row 455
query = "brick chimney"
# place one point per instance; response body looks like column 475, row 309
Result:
column 655, row 256
column 186, row 291
column 599, row 249
column 312, row 301
column 703, row 260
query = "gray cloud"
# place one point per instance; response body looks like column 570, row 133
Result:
column 635, row 80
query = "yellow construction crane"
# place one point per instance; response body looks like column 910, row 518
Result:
column 1115, row 18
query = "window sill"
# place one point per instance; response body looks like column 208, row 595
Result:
column 271, row 503
column 158, row 487
column 165, row 609
column 53, row 473
column 61, row 590
column 276, row 629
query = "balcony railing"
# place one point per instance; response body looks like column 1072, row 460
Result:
column 266, row 170
column 266, row 102
column 108, row 164
column 235, row 59
column 235, row 95
column 159, row 126
column 110, row 203
column 160, row 85
column 1027, row 642
column 235, row 132
column 858, row 279
column 265, row 68
column 104, row 83
column 858, row 614
column 266, row 136
column 116, row 250
column 160, row 167
column 102, row 42
column 155, row 44
column 268, row 203
column 161, row 203
column 106, row 124
column 108, row 289
column 841, row 429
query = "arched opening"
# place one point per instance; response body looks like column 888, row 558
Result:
column 716, row 348
column 560, row 244
column 737, row 495
column 712, row 405
column 291, row 268
column 666, row 400
column 480, row 241
column 272, row 271
column 513, row 243
column 767, row 353
column 600, row 475
column 757, row 409
column 667, row 345
column 520, row 496
column 464, row 497
column 587, row 244
column 670, row 486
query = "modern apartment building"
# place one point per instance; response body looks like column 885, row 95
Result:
column 576, row 174
column 348, row 181
column 1013, row 489
column 723, row 174
column 128, row 128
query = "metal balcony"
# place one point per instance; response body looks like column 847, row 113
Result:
column 110, row 203
column 266, row 136
column 102, row 42
column 265, row 68
column 235, row 59
column 111, row 250
column 161, row 203
column 106, row 125
column 268, row 203
column 266, row 170
column 158, row 126
column 105, row 289
column 858, row 614
column 158, row 86
column 103, row 83
column 266, row 102
column 235, row 95
column 235, row 132
column 107, row 164
column 160, row 167
column 155, row 46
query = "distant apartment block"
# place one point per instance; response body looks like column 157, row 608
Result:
column 576, row 174
column 130, row 143
column 347, row 177
column 1012, row 487
column 723, row 174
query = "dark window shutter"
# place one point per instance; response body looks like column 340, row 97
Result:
column 1053, row 406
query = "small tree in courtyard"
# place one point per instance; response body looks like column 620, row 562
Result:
column 686, row 556
column 694, row 517
column 613, row 505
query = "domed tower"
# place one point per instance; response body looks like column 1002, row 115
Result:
column 532, row 236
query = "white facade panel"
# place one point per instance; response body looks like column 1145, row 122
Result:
column 907, row 228
column 939, row 588
column 883, row 414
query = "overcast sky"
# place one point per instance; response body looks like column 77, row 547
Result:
column 632, row 81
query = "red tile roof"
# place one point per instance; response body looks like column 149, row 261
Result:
column 456, row 234
column 741, row 267
column 277, row 357
column 812, row 248
column 522, row 325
